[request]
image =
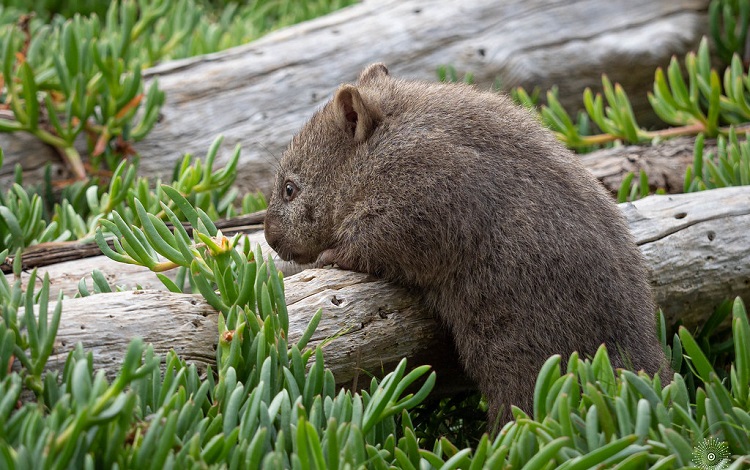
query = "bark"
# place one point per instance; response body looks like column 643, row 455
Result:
column 368, row 315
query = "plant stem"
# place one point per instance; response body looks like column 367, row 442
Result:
column 691, row 129
column 73, row 161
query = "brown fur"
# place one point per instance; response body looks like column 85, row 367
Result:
column 465, row 197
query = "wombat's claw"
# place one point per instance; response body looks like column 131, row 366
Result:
column 326, row 258
column 330, row 257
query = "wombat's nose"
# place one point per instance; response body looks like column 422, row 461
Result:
column 271, row 231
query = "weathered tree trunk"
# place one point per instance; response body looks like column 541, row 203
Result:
column 370, row 315
column 259, row 94
column 696, row 247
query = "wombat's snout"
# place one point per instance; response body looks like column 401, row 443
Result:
column 272, row 231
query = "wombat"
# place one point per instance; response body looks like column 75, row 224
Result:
column 464, row 197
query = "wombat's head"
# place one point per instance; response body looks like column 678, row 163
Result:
column 310, row 194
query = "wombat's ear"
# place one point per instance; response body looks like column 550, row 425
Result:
column 373, row 72
column 353, row 114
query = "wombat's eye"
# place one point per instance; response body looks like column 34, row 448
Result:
column 290, row 191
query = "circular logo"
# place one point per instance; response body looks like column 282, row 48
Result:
column 711, row 454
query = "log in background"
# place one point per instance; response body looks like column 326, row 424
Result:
column 259, row 94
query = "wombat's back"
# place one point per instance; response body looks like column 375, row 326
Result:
column 464, row 196
column 518, row 247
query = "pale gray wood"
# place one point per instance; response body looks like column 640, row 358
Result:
column 105, row 323
column 696, row 247
column 367, row 316
column 259, row 94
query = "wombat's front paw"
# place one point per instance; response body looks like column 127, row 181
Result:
column 330, row 257
column 327, row 257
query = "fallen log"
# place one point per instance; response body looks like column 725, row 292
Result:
column 259, row 94
column 358, row 308
column 695, row 246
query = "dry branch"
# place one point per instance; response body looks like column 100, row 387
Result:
column 665, row 163
column 45, row 254
column 260, row 94
column 695, row 245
